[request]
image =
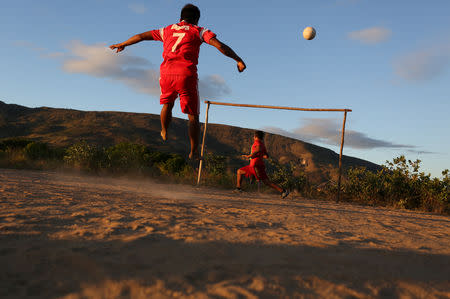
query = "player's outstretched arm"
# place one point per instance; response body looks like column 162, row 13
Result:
column 227, row 51
column 132, row 40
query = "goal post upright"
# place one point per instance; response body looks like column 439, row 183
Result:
column 208, row 103
column 203, row 144
column 340, row 156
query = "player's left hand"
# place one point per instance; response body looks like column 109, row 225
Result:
column 119, row 47
column 241, row 66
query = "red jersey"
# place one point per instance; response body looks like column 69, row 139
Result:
column 181, row 44
column 258, row 159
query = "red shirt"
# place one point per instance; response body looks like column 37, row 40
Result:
column 258, row 158
column 181, row 44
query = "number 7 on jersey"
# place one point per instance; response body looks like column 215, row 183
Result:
column 179, row 38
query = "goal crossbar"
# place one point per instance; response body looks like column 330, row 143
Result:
column 276, row 107
column 208, row 103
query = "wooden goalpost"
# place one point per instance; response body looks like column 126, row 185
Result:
column 208, row 103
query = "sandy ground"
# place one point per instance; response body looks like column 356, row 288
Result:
column 68, row 236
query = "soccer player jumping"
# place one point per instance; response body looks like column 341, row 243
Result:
column 178, row 72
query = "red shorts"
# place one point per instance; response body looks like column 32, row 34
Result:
column 258, row 171
column 186, row 87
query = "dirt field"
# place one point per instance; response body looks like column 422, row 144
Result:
column 68, row 236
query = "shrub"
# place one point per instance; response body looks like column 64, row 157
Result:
column 174, row 164
column 14, row 143
column 23, row 153
column 37, row 150
column 84, row 156
column 283, row 175
column 14, row 158
column 400, row 184
column 225, row 180
column 127, row 156
column 216, row 173
column 215, row 164
column 157, row 157
column 365, row 185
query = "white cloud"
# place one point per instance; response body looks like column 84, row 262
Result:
column 213, row 86
column 328, row 131
column 136, row 72
column 138, row 8
column 99, row 61
column 373, row 35
column 424, row 64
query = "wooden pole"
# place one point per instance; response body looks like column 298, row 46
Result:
column 340, row 157
column 203, row 144
column 275, row 107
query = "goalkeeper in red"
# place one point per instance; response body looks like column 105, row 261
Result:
column 178, row 72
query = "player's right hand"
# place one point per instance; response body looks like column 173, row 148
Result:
column 119, row 47
column 241, row 66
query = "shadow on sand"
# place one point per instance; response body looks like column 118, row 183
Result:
column 156, row 266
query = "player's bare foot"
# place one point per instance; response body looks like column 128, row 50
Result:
column 194, row 156
column 285, row 193
column 238, row 190
column 164, row 135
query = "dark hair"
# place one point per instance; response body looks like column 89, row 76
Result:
column 190, row 13
column 259, row 134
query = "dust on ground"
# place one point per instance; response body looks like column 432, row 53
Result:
column 69, row 236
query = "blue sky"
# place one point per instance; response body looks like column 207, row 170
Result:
column 388, row 61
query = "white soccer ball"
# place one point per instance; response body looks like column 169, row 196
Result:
column 309, row 33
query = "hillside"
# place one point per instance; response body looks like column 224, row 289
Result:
column 63, row 127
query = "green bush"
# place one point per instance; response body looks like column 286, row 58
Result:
column 215, row 172
column 38, row 150
column 14, row 143
column 215, row 164
column 123, row 157
column 400, row 184
column 157, row 157
column 84, row 156
column 174, row 164
column 365, row 185
column 127, row 156
column 283, row 175
column 14, row 158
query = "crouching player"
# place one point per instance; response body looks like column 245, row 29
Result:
column 257, row 167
